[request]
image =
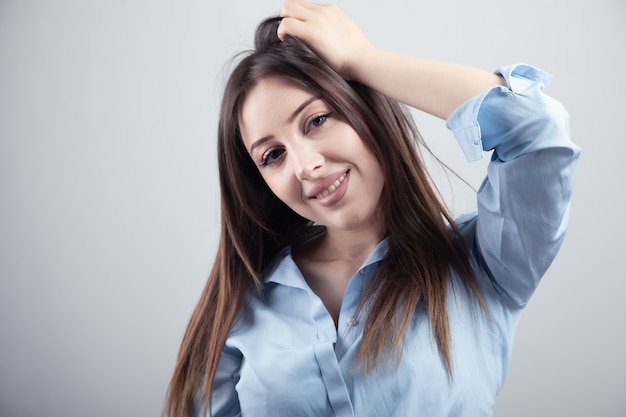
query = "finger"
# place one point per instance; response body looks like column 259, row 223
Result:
column 296, row 9
column 290, row 26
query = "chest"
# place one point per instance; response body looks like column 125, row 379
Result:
column 297, row 362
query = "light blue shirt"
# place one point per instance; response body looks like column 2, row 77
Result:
column 284, row 356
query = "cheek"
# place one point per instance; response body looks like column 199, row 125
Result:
column 365, row 155
column 354, row 142
column 283, row 187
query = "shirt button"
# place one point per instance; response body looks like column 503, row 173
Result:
column 351, row 321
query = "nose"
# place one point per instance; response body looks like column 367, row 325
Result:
column 307, row 161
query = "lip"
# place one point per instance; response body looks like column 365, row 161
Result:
column 323, row 185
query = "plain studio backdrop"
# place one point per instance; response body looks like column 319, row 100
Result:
column 109, row 208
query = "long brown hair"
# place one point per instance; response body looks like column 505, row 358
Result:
column 424, row 245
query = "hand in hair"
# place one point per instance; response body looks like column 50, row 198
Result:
column 326, row 30
column 435, row 87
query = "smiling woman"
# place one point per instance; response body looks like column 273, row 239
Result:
column 342, row 286
column 322, row 170
column 311, row 158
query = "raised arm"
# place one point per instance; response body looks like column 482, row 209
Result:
column 435, row 87
column 523, row 204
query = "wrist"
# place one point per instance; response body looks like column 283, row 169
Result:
column 360, row 67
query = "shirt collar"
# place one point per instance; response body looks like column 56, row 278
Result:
column 285, row 271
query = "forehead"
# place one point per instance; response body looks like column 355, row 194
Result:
column 272, row 91
column 271, row 96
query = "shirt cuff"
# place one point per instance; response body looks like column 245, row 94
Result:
column 463, row 122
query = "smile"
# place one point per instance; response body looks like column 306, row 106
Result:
column 331, row 189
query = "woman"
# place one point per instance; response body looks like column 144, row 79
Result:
column 341, row 284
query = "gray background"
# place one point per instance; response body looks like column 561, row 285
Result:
column 109, row 204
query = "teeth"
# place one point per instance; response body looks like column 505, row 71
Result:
column 332, row 188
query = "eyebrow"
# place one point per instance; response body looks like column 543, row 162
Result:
column 301, row 107
column 291, row 118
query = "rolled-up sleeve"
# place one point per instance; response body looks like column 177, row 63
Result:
column 523, row 203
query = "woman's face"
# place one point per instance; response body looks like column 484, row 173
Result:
column 310, row 157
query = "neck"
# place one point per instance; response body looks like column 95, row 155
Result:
column 344, row 246
column 349, row 245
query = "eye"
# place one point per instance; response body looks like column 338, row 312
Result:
column 271, row 156
column 317, row 120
